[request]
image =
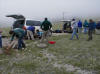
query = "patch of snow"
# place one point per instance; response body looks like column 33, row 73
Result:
column 72, row 68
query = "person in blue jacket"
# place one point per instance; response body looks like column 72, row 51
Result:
column 91, row 29
column 85, row 25
column 79, row 26
column 30, row 32
column 94, row 27
column 98, row 25
column 39, row 34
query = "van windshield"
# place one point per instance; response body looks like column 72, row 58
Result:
column 33, row 23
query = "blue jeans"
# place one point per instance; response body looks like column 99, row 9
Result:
column 74, row 33
column 0, row 42
column 80, row 30
column 20, row 43
column 85, row 30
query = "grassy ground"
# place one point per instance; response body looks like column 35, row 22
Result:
column 58, row 25
column 5, row 31
column 64, row 57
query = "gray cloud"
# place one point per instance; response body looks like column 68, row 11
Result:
column 38, row 9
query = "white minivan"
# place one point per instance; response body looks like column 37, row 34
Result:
column 19, row 19
column 34, row 23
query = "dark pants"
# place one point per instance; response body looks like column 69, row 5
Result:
column 0, row 42
column 21, row 43
column 90, row 32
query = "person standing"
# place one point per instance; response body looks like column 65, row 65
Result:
column 74, row 26
column 79, row 26
column 0, row 39
column 94, row 27
column 45, row 26
column 85, row 25
column 98, row 28
column 91, row 29
column 30, row 32
column 98, row 25
column 19, row 33
column 65, row 27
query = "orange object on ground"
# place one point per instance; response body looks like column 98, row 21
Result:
column 52, row 42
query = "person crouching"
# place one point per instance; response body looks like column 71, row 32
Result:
column 30, row 32
column 20, row 34
column 39, row 34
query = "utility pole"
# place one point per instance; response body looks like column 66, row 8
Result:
column 63, row 15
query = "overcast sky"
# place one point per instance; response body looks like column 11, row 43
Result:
column 38, row 9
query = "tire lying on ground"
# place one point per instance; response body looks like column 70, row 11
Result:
column 42, row 45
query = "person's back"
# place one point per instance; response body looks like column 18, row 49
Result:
column 65, row 26
column 46, row 25
column 31, row 28
column 30, row 32
column 18, row 31
column 98, row 25
column 91, row 25
column 86, row 24
column 80, row 24
column 91, row 29
column 74, row 24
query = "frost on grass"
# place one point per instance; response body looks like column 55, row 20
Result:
column 71, row 68
column 67, row 67
column 65, row 57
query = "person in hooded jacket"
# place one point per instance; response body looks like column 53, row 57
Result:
column 85, row 25
column 19, row 33
column 79, row 26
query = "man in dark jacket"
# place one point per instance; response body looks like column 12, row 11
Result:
column 91, row 29
column 45, row 26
